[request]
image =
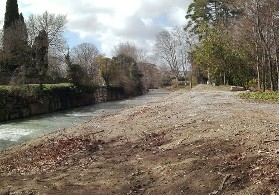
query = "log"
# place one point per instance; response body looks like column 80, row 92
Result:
column 235, row 88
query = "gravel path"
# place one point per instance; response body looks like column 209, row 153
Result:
column 203, row 141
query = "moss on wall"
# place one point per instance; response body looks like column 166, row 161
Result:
column 35, row 100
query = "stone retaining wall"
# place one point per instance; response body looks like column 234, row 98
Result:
column 16, row 107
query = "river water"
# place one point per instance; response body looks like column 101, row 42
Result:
column 18, row 131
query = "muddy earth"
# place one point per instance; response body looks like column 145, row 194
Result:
column 203, row 141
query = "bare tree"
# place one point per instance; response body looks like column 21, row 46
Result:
column 54, row 25
column 131, row 50
column 259, row 25
column 142, row 55
column 126, row 48
column 85, row 55
column 167, row 48
column 183, row 44
column 151, row 75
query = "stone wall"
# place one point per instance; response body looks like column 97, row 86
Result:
column 13, row 106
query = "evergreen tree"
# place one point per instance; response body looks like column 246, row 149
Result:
column 15, row 46
column 12, row 14
column 205, row 14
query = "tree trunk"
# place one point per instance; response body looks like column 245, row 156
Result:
column 258, row 69
column 271, row 73
column 264, row 73
column 191, row 80
column 259, row 76
column 209, row 77
column 277, row 68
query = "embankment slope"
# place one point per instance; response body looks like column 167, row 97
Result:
column 203, row 141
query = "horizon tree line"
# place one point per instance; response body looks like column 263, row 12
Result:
column 35, row 51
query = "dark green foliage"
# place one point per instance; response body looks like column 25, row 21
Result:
column 238, row 41
column 226, row 63
column 32, row 89
column 198, row 15
column 205, row 14
column 217, row 57
column 28, row 100
column 27, row 94
column 11, row 14
column 16, row 52
column 77, row 75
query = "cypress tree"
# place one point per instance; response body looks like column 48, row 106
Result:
column 11, row 14
column 15, row 46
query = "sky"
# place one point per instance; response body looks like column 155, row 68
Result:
column 107, row 23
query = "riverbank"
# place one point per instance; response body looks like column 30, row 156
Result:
column 203, row 141
column 33, row 100
column 19, row 131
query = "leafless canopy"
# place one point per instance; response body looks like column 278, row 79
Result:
column 85, row 55
column 172, row 47
column 131, row 50
column 54, row 25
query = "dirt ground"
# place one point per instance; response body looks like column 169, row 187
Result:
column 203, row 141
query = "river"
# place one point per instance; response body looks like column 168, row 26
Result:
column 18, row 131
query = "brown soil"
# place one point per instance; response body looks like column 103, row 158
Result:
column 204, row 141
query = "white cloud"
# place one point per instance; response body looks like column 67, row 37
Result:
column 177, row 15
column 39, row 6
column 112, row 21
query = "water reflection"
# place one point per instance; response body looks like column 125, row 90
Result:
column 18, row 131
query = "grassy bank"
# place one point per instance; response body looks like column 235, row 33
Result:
column 30, row 100
column 23, row 101
column 45, row 87
column 262, row 96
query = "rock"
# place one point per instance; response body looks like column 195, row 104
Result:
column 235, row 88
